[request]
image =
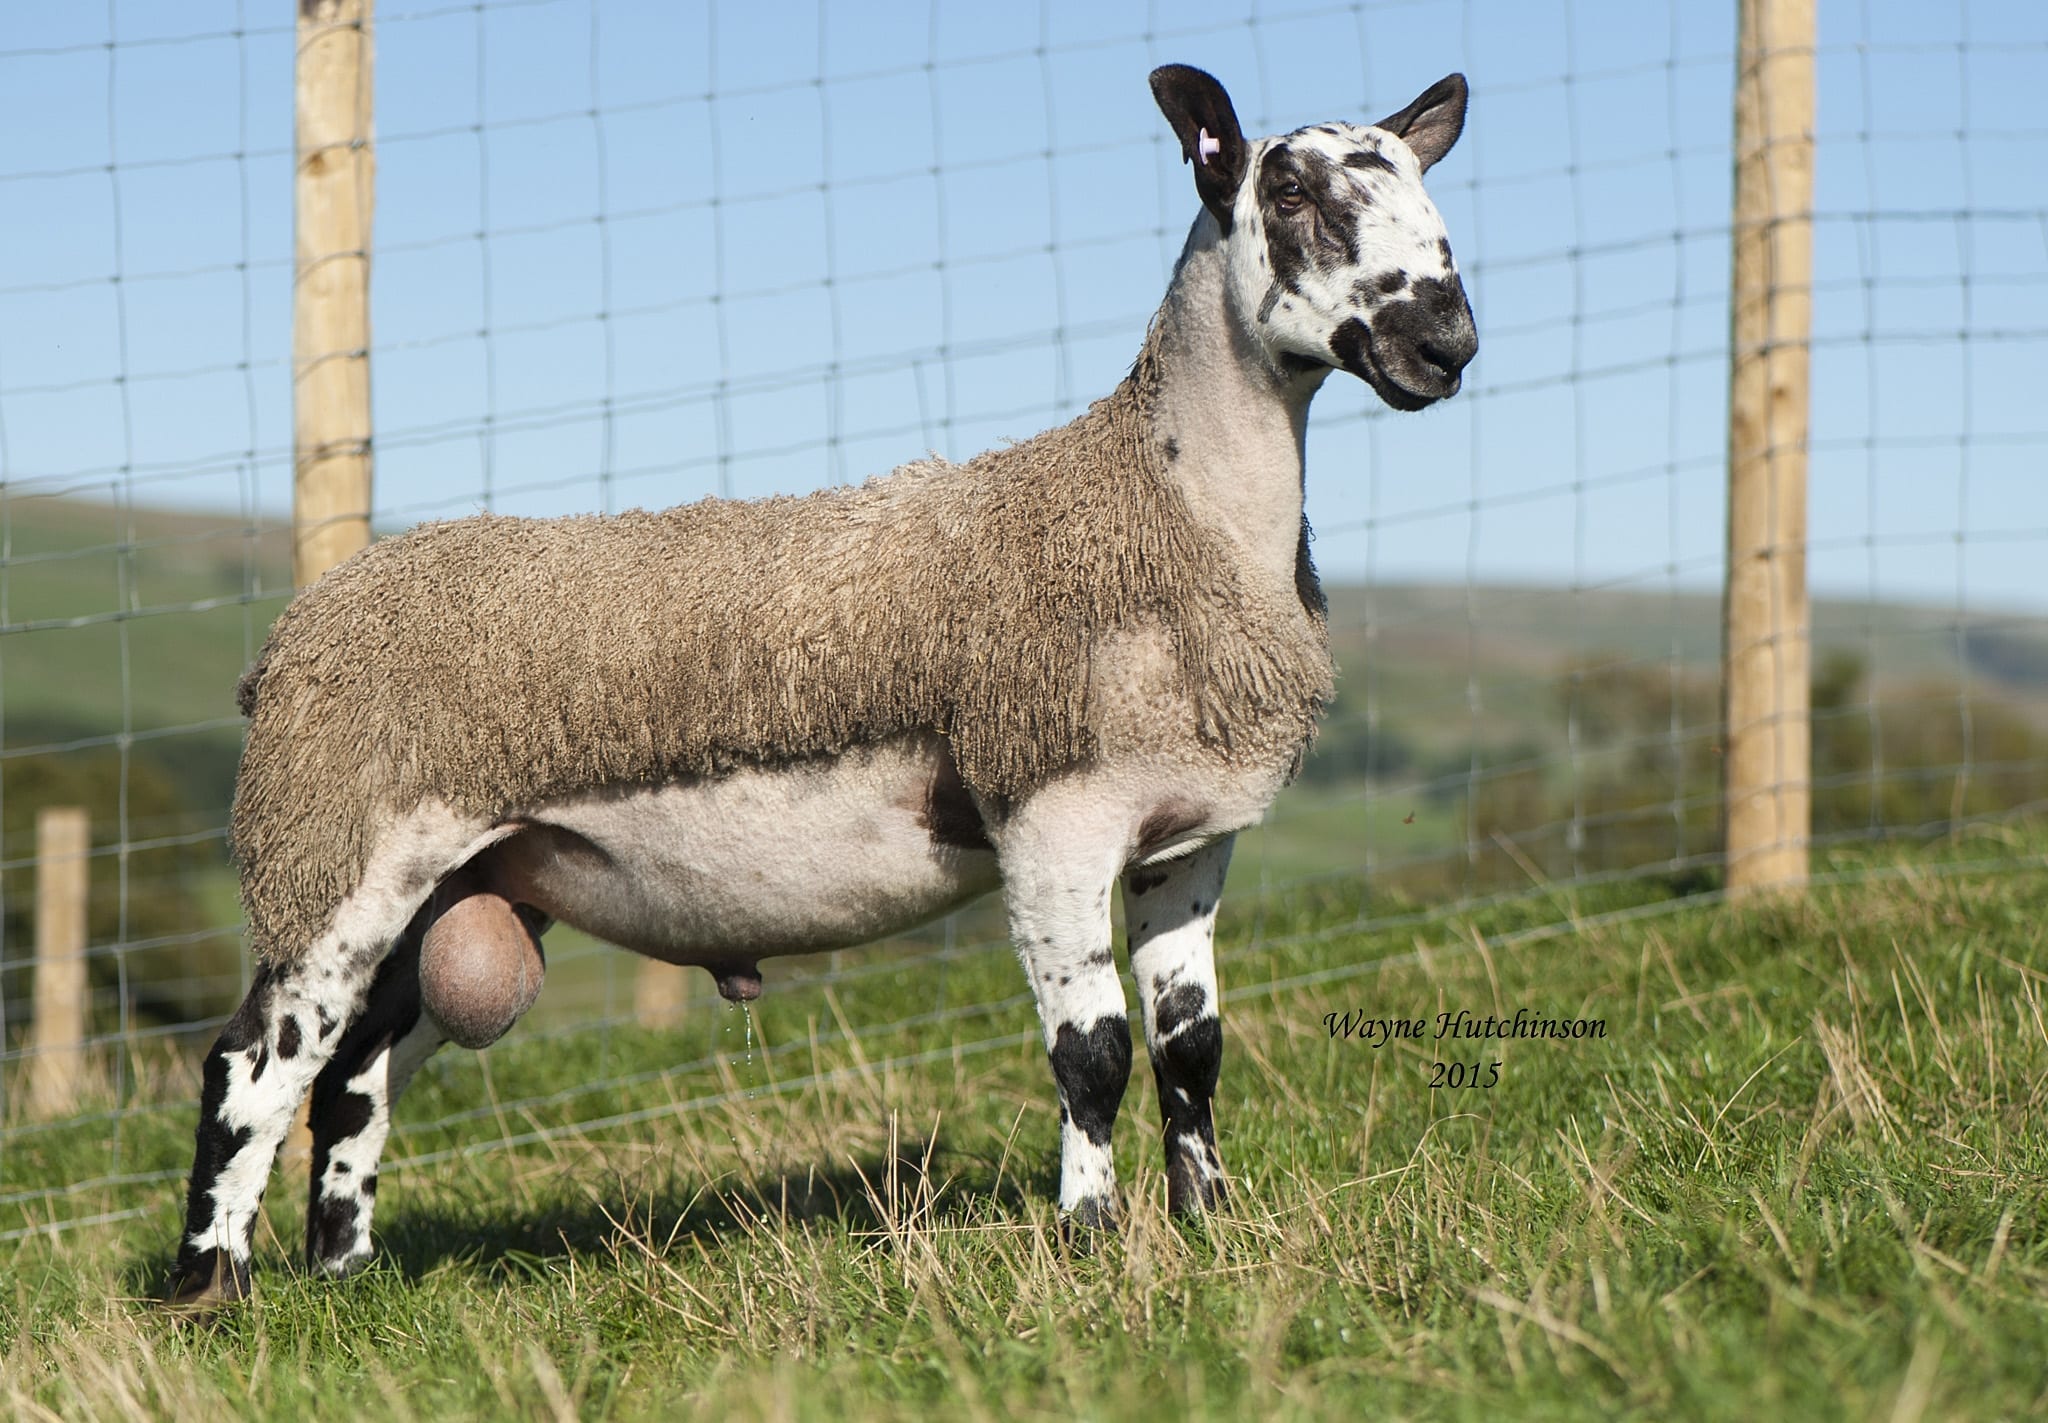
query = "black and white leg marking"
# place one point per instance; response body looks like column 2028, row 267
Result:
column 269, row 1054
column 351, row 1113
column 1059, row 920
column 255, row 1076
column 1170, row 912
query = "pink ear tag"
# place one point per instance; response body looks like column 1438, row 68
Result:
column 1205, row 146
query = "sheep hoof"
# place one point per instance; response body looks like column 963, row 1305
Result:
column 1192, row 1193
column 201, row 1292
column 341, row 1267
column 1090, row 1223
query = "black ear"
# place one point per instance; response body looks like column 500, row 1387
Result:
column 1433, row 122
column 1201, row 115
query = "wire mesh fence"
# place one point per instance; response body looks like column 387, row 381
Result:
column 638, row 254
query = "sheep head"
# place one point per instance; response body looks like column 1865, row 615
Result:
column 1336, row 255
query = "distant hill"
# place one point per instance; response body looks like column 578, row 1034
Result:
column 140, row 620
column 1427, row 652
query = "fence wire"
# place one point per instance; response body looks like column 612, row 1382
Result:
column 634, row 254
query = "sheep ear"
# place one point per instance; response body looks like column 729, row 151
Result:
column 1201, row 115
column 1433, row 122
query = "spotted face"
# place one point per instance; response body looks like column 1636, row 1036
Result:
column 1337, row 257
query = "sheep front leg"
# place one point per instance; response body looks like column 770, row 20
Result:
column 1059, row 920
column 1170, row 913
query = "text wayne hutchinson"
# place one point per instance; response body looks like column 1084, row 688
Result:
column 1378, row 1032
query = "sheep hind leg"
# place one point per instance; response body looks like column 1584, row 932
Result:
column 254, row 1077
column 466, row 970
column 353, row 1099
column 1170, row 913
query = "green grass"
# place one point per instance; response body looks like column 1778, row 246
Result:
column 1801, row 1175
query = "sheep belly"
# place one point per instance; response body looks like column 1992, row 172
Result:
column 726, row 871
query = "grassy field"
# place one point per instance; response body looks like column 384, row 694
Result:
column 1801, row 1174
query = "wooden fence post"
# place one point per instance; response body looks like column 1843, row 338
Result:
column 56, row 1065
column 333, row 202
column 1766, row 647
column 660, row 993
column 334, row 197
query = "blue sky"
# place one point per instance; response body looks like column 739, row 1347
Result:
column 635, row 252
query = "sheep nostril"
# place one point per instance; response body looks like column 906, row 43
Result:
column 1448, row 354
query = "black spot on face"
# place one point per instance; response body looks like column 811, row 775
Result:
column 1352, row 344
column 1391, row 282
column 1198, row 908
column 1287, row 233
column 288, row 1038
column 1270, row 300
column 1093, row 1067
column 1370, row 160
column 259, row 1059
column 1443, row 249
column 1101, row 958
column 1348, row 343
column 1333, row 202
column 1439, row 297
column 1172, row 449
column 369, row 1187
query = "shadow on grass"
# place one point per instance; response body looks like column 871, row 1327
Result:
column 868, row 1194
column 497, row 1239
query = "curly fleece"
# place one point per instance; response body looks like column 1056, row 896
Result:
column 495, row 664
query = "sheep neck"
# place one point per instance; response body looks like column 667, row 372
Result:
column 1229, row 422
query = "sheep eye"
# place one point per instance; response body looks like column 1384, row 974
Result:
column 1289, row 197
